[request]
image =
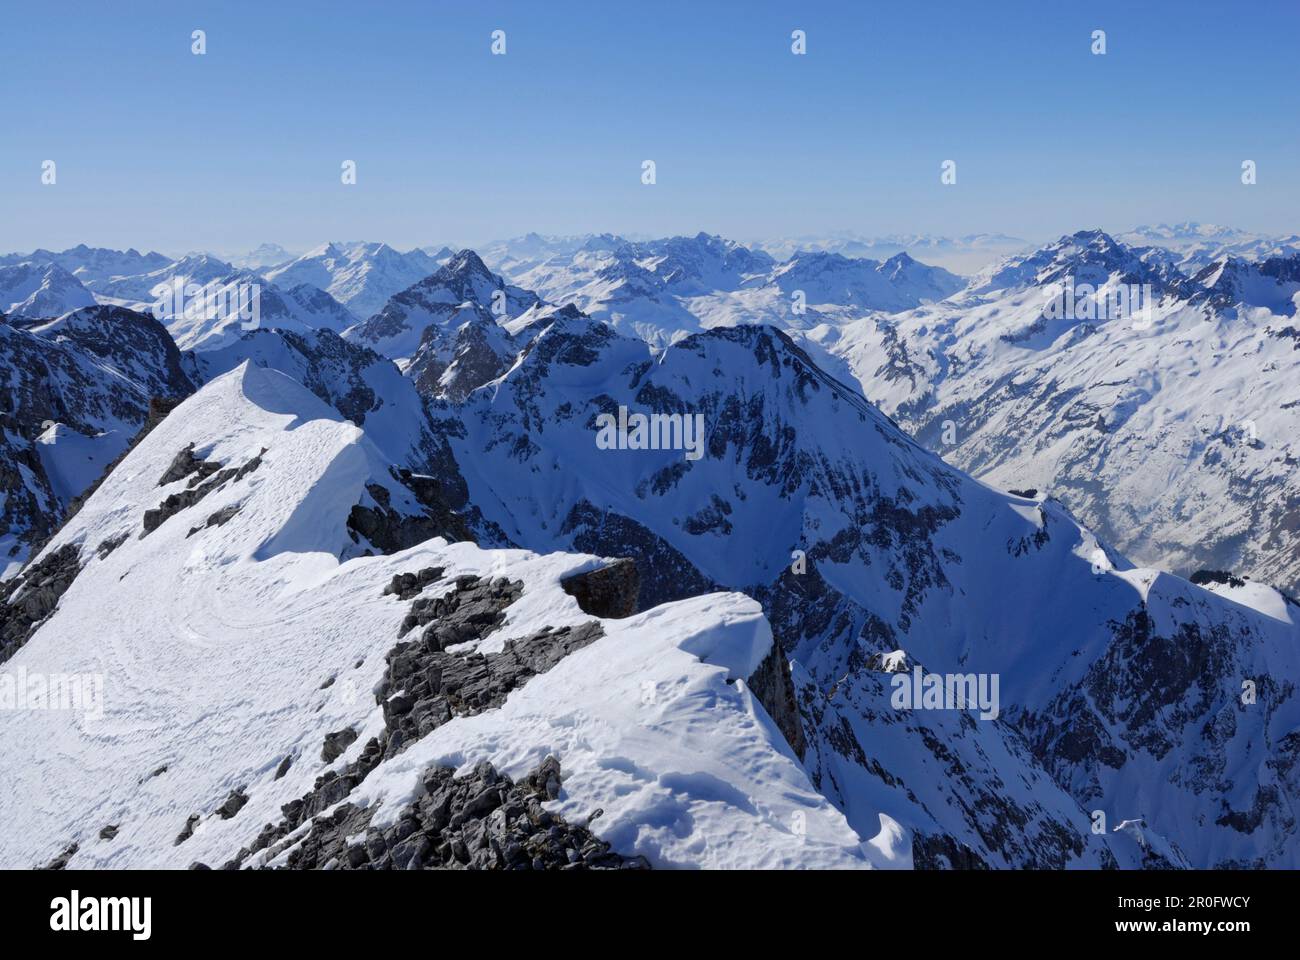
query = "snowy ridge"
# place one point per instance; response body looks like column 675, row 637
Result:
column 235, row 671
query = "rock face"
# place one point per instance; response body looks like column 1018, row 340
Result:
column 26, row 600
column 773, row 686
column 483, row 821
column 425, row 685
column 389, row 530
column 612, row 591
column 205, row 478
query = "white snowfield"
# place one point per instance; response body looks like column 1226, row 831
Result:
column 215, row 647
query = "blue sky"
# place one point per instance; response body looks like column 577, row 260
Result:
column 157, row 148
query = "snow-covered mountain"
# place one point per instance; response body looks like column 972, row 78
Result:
column 1173, row 432
column 138, row 291
column 963, row 255
column 219, row 311
column 262, row 256
column 76, row 391
column 662, row 290
column 905, row 554
column 1198, row 245
column 446, row 606
column 358, row 688
column 361, row 276
column 398, row 330
column 93, row 266
column 40, row 290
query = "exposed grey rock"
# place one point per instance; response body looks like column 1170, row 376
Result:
column 203, row 481
column 232, row 804
column 109, row 832
column 218, row 519
column 61, row 861
column 484, row 821
column 185, row 464
column 389, row 530
column 29, row 598
column 188, row 830
column 407, row 586
column 336, row 743
column 424, row 686
column 772, row 685
column 664, row 573
column 611, row 591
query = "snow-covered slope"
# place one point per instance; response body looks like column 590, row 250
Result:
column 140, row 291
column 361, row 276
column 270, row 677
column 35, row 290
column 219, row 312
column 1173, row 434
column 1115, row 677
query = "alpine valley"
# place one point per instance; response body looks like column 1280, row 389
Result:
column 352, row 584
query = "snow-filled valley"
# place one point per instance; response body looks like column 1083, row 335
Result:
column 356, row 585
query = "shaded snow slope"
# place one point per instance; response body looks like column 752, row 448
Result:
column 1123, row 682
column 1174, row 435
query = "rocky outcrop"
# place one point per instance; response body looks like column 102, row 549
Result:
column 664, row 574
column 390, row 530
column 612, row 591
column 483, row 821
column 29, row 598
column 204, row 479
column 772, row 685
column 425, row 685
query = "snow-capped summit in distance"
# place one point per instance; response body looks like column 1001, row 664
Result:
column 963, row 255
column 1197, row 245
column 262, row 257
column 93, row 266
column 359, row 275
column 464, row 281
column 662, row 290
column 31, row 290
